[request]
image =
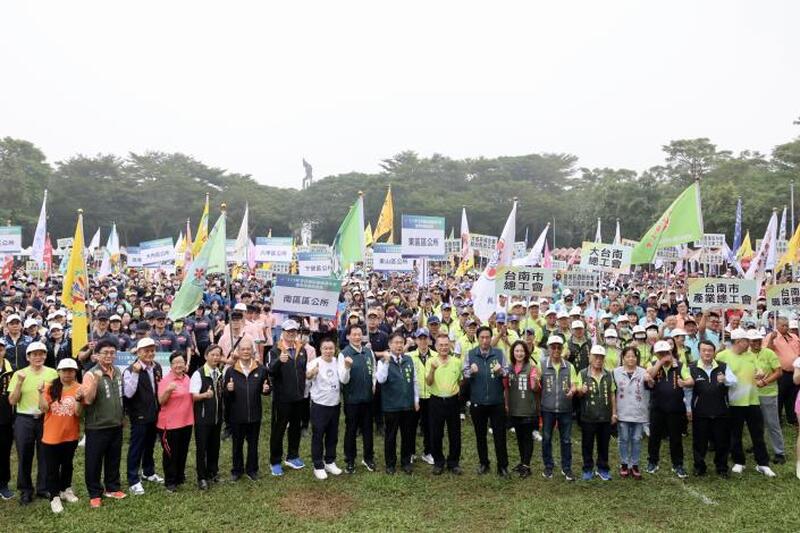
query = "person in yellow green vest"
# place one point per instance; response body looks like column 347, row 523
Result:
column 448, row 322
column 639, row 341
column 596, row 390
column 434, row 327
column 533, row 321
column 624, row 330
column 420, row 357
column 745, row 404
column 503, row 337
column 513, row 325
column 611, row 360
column 550, row 326
column 443, row 376
column 426, row 312
column 562, row 321
column 768, row 372
column 518, row 310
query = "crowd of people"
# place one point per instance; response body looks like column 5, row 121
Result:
column 630, row 360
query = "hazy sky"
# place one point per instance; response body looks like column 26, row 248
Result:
column 255, row 86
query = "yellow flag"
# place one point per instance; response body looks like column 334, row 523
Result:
column 385, row 223
column 792, row 249
column 76, row 285
column 745, row 251
column 368, row 235
column 202, row 231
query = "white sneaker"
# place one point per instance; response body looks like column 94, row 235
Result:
column 491, row 432
column 155, row 478
column 513, row 430
column 69, row 495
column 737, row 469
column 82, row 442
column 462, row 416
column 767, row 471
column 537, row 436
column 797, row 469
column 320, row 474
column 427, row 458
column 55, row 505
column 137, row 490
column 413, row 458
column 331, row 468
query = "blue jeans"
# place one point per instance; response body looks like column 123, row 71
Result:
column 630, row 442
column 565, row 436
column 140, row 451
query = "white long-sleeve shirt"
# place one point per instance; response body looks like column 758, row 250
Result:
column 325, row 386
column 382, row 374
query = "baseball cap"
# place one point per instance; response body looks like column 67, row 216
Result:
column 793, row 324
column 501, row 318
column 575, row 311
column 576, row 324
column 290, row 325
column 554, row 339
column 550, row 311
column 738, row 334
column 67, row 363
column 422, row 332
column 562, row 314
column 678, row 332
column 144, row 343
column 56, row 325
column 754, row 335
column 434, row 320
column 12, row 317
column 638, row 329
column 36, row 347
column 610, row 333
column 662, row 346
column 30, row 322
column 116, row 318
column 240, row 307
column 471, row 322
column 598, row 350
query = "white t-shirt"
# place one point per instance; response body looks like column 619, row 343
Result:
column 325, row 385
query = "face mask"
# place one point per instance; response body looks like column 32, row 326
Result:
column 611, row 342
column 652, row 334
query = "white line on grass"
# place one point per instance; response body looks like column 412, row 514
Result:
column 697, row 494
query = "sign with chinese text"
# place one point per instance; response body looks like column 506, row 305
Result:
column 580, row 279
column 422, row 236
column 301, row 295
column 524, row 281
column 314, row 265
column 271, row 249
column 722, row 293
column 484, row 245
column 66, row 242
column 783, row 296
column 10, row 239
column 157, row 251
column 711, row 240
column 605, row 257
column 389, row 258
column 134, row 256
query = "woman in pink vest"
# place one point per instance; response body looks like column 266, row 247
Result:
column 175, row 420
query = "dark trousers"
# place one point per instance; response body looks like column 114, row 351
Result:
column 787, row 394
column 482, row 416
column 103, row 453
column 750, row 415
column 564, row 420
column 523, row 427
column 666, row 425
column 285, row 414
column 717, row 431
column 6, row 441
column 324, row 434
column 423, row 421
column 591, row 433
column 241, row 432
column 206, row 443
column 445, row 412
column 305, row 416
column 358, row 416
column 175, row 446
column 140, row 451
column 28, row 439
column 59, row 466
column 377, row 408
column 406, row 423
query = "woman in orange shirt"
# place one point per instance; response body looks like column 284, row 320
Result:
column 60, row 403
column 175, row 420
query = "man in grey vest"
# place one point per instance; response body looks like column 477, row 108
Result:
column 558, row 386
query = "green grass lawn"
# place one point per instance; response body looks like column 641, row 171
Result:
column 377, row 502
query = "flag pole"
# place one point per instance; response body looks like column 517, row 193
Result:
column 86, row 273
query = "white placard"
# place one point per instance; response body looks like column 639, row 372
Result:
column 272, row 249
column 300, row 295
column 157, row 251
column 422, row 236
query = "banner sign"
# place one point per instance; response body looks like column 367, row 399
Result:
column 134, row 256
column 230, row 250
column 422, row 236
column 269, row 249
column 389, row 258
column 279, row 268
column 784, row 296
column 10, row 239
column 452, row 247
column 314, row 264
column 711, row 256
column 264, row 275
column 780, row 246
column 605, row 257
column 524, row 281
column 669, row 254
column 725, row 293
column 66, row 242
column 484, row 245
column 301, row 295
column 157, row 251
column 559, row 264
column 580, row 279
column 125, row 359
column 711, row 240
column 519, row 250
column 630, row 243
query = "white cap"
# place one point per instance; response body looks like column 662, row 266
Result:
column 576, row 324
column 638, row 329
column 240, row 307
column 551, row 311
column 662, row 346
column 754, row 335
column 610, row 333
column 59, row 312
column 36, row 347
column 562, row 314
column 144, row 343
column 544, row 301
column 678, row 331
column 30, row 322
column 67, row 363
column 738, row 334
column 554, row 339
column 793, row 324
column 566, row 292
column 575, row 311
column 598, row 350
column 56, row 325
column 12, row 317
column 623, row 318
column 112, row 318
column 290, row 325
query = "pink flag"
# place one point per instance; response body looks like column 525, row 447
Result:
column 548, row 258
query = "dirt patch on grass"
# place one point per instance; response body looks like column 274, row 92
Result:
column 324, row 506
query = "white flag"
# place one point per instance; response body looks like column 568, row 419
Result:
column 94, row 244
column 617, row 236
column 598, row 236
column 466, row 248
column 37, row 249
column 110, row 254
column 782, row 231
column 535, row 256
column 765, row 257
column 483, row 294
column 242, row 240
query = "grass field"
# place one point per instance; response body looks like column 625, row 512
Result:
column 378, row 502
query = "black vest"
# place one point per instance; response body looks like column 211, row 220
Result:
column 209, row 412
column 143, row 406
column 667, row 396
column 579, row 353
column 710, row 398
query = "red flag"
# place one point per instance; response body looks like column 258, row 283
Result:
column 8, row 268
column 48, row 255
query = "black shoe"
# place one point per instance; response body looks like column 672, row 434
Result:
column 524, row 472
column 202, row 484
column 390, row 470
column 568, row 475
column 503, row 472
column 253, row 477
column 724, row 474
column 547, row 473
column 483, row 469
column 215, row 479
column 171, row 488
column 369, row 465
column 350, row 468
column 517, row 468
column 25, row 498
column 437, row 470
column 408, row 469
column 699, row 473
column 779, row 459
column 235, row 477
column 379, row 431
column 456, row 470
column 43, row 495
column 226, row 434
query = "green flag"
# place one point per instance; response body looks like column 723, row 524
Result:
column 348, row 245
column 210, row 260
column 682, row 222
